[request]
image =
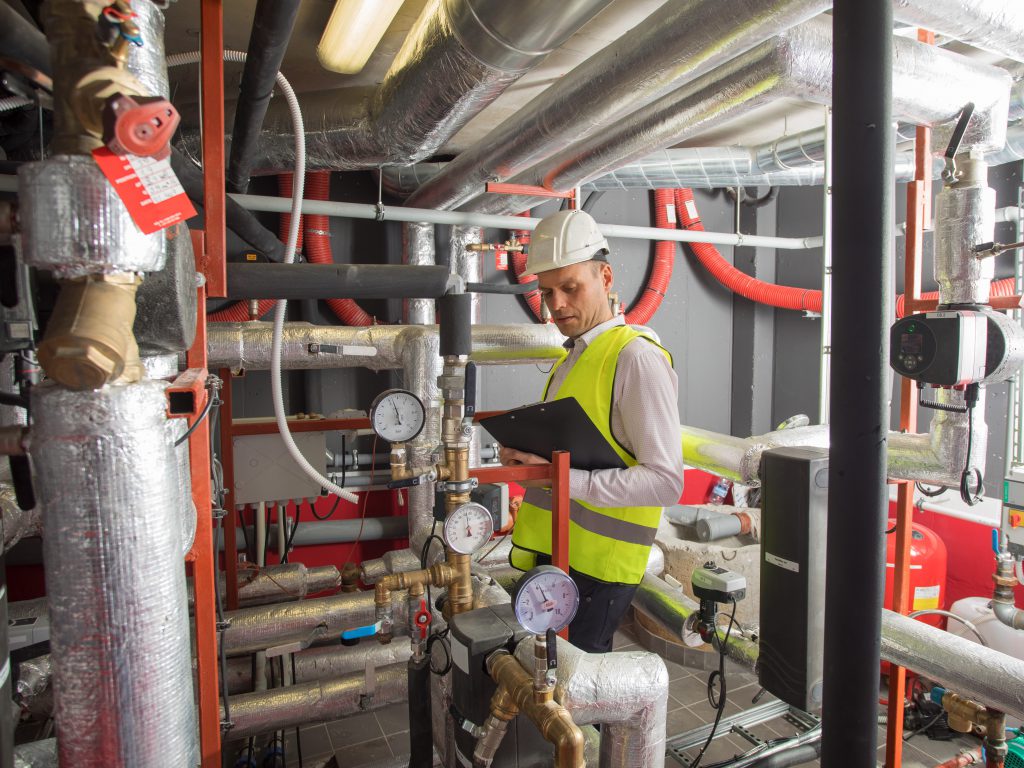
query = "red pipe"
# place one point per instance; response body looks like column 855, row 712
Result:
column 967, row 758
column 1001, row 289
column 782, row 296
column 661, row 271
column 318, row 245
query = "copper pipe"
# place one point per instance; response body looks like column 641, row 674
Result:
column 964, row 713
column 552, row 719
column 963, row 759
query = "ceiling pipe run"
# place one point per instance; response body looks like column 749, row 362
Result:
column 992, row 25
column 674, row 45
column 457, row 59
column 930, row 87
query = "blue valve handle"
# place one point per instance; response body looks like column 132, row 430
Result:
column 358, row 632
column 995, row 540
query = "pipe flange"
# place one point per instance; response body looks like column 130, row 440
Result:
column 457, row 486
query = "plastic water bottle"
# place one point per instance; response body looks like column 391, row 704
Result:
column 719, row 491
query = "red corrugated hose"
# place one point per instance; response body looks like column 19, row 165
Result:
column 782, row 296
column 661, row 271
column 318, row 246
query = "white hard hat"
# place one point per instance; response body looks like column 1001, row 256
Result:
column 564, row 238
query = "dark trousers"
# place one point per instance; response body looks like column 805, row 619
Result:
column 602, row 608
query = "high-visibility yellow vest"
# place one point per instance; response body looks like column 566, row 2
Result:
column 607, row 543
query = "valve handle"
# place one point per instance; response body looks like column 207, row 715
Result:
column 423, row 619
column 470, row 389
column 551, row 640
column 408, row 482
column 140, row 126
column 949, row 172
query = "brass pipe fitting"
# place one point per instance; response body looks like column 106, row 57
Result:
column 543, row 678
column 552, row 719
column 460, row 587
column 89, row 340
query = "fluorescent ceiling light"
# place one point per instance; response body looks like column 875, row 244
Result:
column 353, row 32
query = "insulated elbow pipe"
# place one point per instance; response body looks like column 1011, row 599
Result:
column 22, row 41
column 329, row 281
column 272, row 26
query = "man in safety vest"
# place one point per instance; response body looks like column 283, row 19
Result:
column 624, row 380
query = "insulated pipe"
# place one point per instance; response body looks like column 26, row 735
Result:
column 108, row 484
column 280, row 583
column 739, row 458
column 332, row 281
column 418, row 250
column 457, row 59
column 272, row 24
column 930, row 87
column 499, row 221
column 304, row 622
column 625, row 691
column 379, row 348
column 23, row 41
column 316, row 702
column 674, row 45
column 859, row 414
column 992, row 25
column 342, row 531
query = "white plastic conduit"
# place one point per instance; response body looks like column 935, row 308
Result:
column 293, row 238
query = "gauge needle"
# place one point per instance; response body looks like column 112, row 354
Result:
column 397, row 414
column 547, row 603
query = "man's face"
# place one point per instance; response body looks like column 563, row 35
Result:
column 577, row 296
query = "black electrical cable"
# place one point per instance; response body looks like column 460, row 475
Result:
column 592, row 199
column 17, row 401
column 245, row 534
column 195, row 424
column 266, row 534
column 925, row 727
column 334, row 508
column 931, row 494
column 291, row 536
column 718, row 675
column 969, row 497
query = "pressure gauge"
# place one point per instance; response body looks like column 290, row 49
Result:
column 546, row 598
column 468, row 528
column 397, row 415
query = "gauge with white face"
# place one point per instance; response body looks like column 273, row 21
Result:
column 468, row 528
column 546, row 598
column 397, row 415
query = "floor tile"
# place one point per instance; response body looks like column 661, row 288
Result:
column 365, row 754
column 688, row 690
column 676, row 671
column 393, row 719
column 354, row 730
column 399, row 743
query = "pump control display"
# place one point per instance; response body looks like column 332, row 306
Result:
column 945, row 349
column 468, row 528
column 546, row 598
column 397, row 415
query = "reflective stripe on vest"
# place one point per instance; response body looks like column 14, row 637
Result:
column 607, row 543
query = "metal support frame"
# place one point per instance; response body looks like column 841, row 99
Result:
column 212, row 102
column 825, row 369
column 859, row 416
column 227, row 460
column 919, row 199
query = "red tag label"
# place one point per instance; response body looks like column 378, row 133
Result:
column 501, row 259
column 148, row 188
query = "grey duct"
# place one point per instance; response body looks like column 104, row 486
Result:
column 674, row 45
column 418, row 250
column 304, row 622
column 930, row 87
column 626, row 692
column 107, row 481
column 378, row 348
column 33, row 687
column 457, row 59
column 319, row 701
column 992, row 25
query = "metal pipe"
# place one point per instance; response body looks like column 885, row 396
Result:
column 930, row 87
column 626, row 692
column 280, row 583
column 36, row 754
column 674, row 45
column 331, row 281
column 739, row 458
column 964, row 218
column 418, row 250
column 859, row 415
column 473, row 219
column 108, row 485
column 22, row 41
column 316, row 702
column 992, row 25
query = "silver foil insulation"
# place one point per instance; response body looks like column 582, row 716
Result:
column 107, row 479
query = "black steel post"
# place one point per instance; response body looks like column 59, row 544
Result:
column 861, row 256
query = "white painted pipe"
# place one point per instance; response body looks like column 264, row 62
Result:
column 469, row 218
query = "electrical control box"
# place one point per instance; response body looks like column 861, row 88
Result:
column 1013, row 510
column 265, row 471
column 794, row 506
column 713, row 582
column 475, row 635
column 494, row 498
column 946, row 348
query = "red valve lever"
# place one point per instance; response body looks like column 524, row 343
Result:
column 423, row 619
column 139, row 126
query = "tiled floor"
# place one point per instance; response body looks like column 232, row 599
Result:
column 382, row 736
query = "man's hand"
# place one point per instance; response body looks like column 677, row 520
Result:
column 510, row 457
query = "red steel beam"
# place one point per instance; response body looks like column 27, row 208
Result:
column 212, row 99
column 918, row 216
column 560, row 515
column 203, row 566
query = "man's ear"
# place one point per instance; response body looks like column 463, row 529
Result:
column 607, row 276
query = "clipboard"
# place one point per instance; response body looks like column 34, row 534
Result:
column 559, row 425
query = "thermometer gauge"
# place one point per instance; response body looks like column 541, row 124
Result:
column 468, row 528
column 397, row 415
column 546, row 598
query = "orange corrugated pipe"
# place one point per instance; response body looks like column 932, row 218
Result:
column 661, row 271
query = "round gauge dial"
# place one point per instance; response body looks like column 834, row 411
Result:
column 397, row 415
column 546, row 598
column 468, row 528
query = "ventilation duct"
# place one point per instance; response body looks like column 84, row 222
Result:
column 992, row 25
column 930, row 87
column 457, row 59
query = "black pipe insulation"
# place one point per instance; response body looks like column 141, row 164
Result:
column 456, row 324
column 862, row 241
column 335, row 281
column 21, row 41
column 272, row 26
column 421, row 732
column 800, row 755
column 508, row 289
column 239, row 220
